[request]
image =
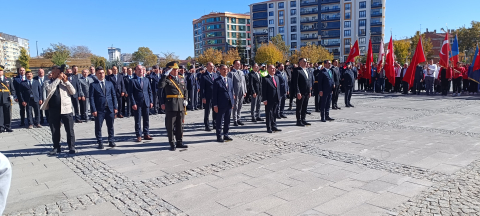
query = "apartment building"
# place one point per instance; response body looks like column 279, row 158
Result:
column 10, row 50
column 114, row 54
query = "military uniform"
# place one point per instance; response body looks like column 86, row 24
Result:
column 174, row 98
column 6, row 91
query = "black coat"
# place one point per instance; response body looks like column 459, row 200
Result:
column 118, row 83
column 255, row 83
column 325, row 82
column 301, row 84
column 348, row 78
column 336, row 75
column 76, row 84
column 26, row 90
column 270, row 92
column 419, row 73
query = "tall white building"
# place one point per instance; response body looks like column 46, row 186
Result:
column 114, row 54
column 334, row 24
column 10, row 46
column 126, row 57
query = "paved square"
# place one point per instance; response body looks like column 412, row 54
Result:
column 390, row 155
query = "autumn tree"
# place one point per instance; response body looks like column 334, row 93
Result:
column 402, row 50
column 166, row 57
column 230, row 56
column 60, row 49
column 144, row 56
column 468, row 38
column 98, row 61
column 60, row 57
column 24, row 59
column 281, row 45
column 80, row 52
column 268, row 54
column 312, row 52
column 210, row 55
column 426, row 43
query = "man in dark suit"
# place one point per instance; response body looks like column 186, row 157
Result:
column 271, row 98
column 325, row 87
column 288, row 70
column 73, row 78
column 41, row 79
column 140, row 95
column 301, row 86
column 7, row 95
column 336, row 79
column 16, row 84
column 174, row 103
column 206, row 93
column 255, row 82
column 31, row 98
column 155, row 78
column 103, row 105
column 126, row 105
column 315, row 88
column 191, row 82
column 284, row 90
column 348, row 79
column 419, row 77
column 117, row 80
column 223, row 101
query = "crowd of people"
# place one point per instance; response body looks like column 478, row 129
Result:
column 66, row 96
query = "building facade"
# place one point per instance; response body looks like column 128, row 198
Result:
column 10, row 50
column 126, row 57
column 222, row 31
column 333, row 24
column 114, row 54
column 437, row 42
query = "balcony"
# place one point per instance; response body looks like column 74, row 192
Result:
column 307, row 20
column 304, row 29
column 376, row 14
column 324, row 36
column 331, row 44
column 375, row 23
column 305, row 44
column 305, row 12
column 376, row 33
column 308, row 3
column 336, row 53
column 309, row 37
column 330, row 18
column 328, row 10
column 330, row 1
column 335, row 25
column 376, row 4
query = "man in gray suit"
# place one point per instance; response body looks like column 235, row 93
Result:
column 239, row 90
column 85, row 82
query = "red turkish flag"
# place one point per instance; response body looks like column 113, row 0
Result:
column 418, row 58
column 389, row 67
column 444, row 52
column 369, row 61
column 476, row 64
column 381, row 54
column 354, row 52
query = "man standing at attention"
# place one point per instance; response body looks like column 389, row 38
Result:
column 223, row 102
column 325, row 87
column 7, row 95
column 206, row 93
column 41, row 79
column 31, row 98
column 301, row 87
column 348, row 79
column 283, row 78
column 271, row 98
column 256, row 91
column 16, row 84
column 117, row 80
column 140, row 94
column 239, row 89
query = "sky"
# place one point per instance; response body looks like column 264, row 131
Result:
column 166, row 26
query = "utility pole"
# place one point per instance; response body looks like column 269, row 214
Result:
column 37, row 47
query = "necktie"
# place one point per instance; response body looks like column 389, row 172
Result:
column 274, row 82
column 115, row 77
column 41, row 81
column 226, row 83
column 23, row 79
column 141, row 82
column 330, row 73
column 103, row 87
column 30, row 84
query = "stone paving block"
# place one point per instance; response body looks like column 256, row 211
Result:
column 256, row 207
column 207, row 208
column 388, row 200
column 100, row 209
column 369, row 175
column 377, row 186
column 348, row 184
column 337, row 175
column 346, row 202
column 366, row 209
column 301, row 190
column 224, row 182
column 407, row 189
column 395, row 179
column 311, row 212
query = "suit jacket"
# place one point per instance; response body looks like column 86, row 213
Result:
column 76, row 84
column 16, row 84
column 239, row 84
column 255, row 82
column 191, row 80
column 270, row 92
column 138, row 94
column 348, row 78
column 283, row 78
column 419, row 73
column 155, row 80
column 223, row 95
column 301, row 84
column 206, row 85
column 85, row 85
column 336, row 75
column 311, row 76
column 99, row 100
column 167, row 83
column 325, row 81
column 117, row 83
column 35, row 91
column 42, row 84
column 315, row 85
column 5, row 96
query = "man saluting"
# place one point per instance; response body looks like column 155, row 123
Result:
column 174, row 102
column 7, row 95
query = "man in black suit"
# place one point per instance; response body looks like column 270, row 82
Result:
column 348, row 79
column 336, row 79
column 155, row 78
column 301, row 87
column 117, row 80
column 223, row 101
column 284, row 90
column 325, row 87
column 141, row 99
column 103, row 105
column 31, row 98
column 126, row 104
column 41, row 79
column 315, row 88
column 73, row 78
column 255, row 82
column 191, row 82
column 206, row 93
column 419, row 77
column 7, row 95
column 271, row 98
column 16, row 84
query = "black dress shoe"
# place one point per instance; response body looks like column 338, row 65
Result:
column 227, row 138
column 8, row 130
column 338, row 108
column 276, row 130
column 100, row 146
column 78, row 121
column 220, row 140
column 334, row 108
column 1, row 130
column 181, row 145
column 351, row 105
column 112, row 144
column 240, row 122
column 208, row 128
column 259, row 119
column 308, row 112
column 329, row 119
column 300, row 124
column 72, row 151
column 161, row 112
column 235, row 124
column 283, row 116
column 269, row 131
column 172, row 147
column 306, row 123
column 254, row 120
column 323, row 120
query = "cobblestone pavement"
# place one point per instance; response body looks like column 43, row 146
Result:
column 390, row 155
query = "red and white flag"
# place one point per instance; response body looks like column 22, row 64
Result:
column 444, row 52
column 389, row 61
column 354, row 52
column 369, row 60
column 381, row 54
column 418, row 58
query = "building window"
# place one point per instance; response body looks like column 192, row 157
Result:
column 234, row 20
column 363, row 5
column 270, row 13
column 362, row 40
column 280, row 22
column 348, row 6
column 293, row 20
column 348, row 24
column 363, row 14
column 270, row 5
column 234, row 35
column 248, row 28
column 293, row 3
column 293, row 11
column 281, row 5
column 242, row 21
column 280, row 13
column 271, row 31
column 347, row 42
column 281, row 29
column 293, row 28
column 347, row 33
column 362, row 32
column 347, row 15
column 362, row 22
column 293, row 45
column 234, row 27
column 293, row 37
column 271, row 22
column 283, row 37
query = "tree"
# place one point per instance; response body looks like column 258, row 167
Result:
column 61, row 48
column 312, row 52
column 268, row 54
column 468, row 38
column 98, row 61
column 230, row 56
column 281, row 45
column 60, row 57
column 210, row 55
column 189, row 58
column 80, row 52
column 402, row 50
column 145, row 56
column 167, row 57
column 24, row 59
column 426, row 43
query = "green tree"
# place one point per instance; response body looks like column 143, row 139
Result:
column 166, row 57
column 145, row 56
column 56, row 48
column 189, row 58
column 24, row 59
column 98, row 61
column 468, row 38
column 402, row 50
column 60, row 57
column 426, row 43
column 281, row 45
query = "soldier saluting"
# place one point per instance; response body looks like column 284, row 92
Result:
column 174, row 103
column 7, row 95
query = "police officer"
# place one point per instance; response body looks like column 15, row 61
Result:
column 7, row 95
column 174, row 103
